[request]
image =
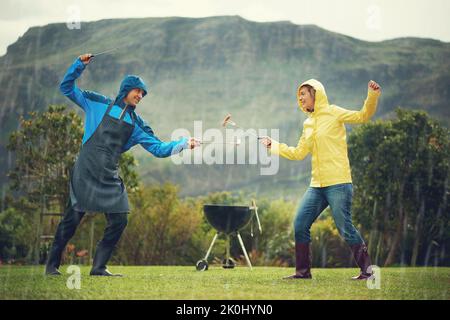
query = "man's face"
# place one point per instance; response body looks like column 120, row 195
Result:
column 134, row 97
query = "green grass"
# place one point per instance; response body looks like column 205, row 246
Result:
column 170, row 282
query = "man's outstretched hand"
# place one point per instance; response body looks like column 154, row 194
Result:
column 193, row 143
column 86, row 58
column 374, row 86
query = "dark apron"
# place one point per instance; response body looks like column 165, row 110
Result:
column 95, row 184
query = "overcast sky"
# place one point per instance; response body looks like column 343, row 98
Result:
column 371, row 20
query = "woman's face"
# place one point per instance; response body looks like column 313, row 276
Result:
column 306, row 99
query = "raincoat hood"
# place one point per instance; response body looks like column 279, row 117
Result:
column 129, row 83
column 321, row 99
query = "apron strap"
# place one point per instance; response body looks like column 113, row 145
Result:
column 133, row 117
column 122, row 114
column 109, row 107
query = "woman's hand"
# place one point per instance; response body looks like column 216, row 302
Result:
column 374, row 86
column 86, row 58
column 266, row 141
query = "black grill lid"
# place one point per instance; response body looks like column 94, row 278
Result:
column 227, row 219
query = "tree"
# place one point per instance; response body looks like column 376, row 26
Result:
column 45, row 147
column 400, row 169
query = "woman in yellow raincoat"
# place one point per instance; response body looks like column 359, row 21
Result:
column 324, row 136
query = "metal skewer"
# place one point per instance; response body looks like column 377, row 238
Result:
column 227, row 120
column 103, row 52
column 237, row 142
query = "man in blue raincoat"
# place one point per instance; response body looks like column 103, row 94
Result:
column 111, row 128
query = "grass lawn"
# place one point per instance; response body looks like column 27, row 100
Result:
column 171, row 282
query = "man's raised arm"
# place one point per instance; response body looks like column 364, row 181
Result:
column 68, row 86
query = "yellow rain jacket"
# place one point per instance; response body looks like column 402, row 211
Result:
column 324, row 136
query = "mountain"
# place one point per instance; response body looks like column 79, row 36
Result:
column 202, row 69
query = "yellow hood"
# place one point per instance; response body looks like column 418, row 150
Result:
column 321, row 99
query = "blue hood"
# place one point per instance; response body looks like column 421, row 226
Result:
column 129, row 83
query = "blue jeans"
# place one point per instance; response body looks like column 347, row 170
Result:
column 315, row 200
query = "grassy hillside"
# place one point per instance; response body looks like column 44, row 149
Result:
column 201, row 69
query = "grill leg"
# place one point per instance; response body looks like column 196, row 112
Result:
column 245, row 251
column 210, row 247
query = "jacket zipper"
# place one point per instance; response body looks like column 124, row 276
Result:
column 317, row 151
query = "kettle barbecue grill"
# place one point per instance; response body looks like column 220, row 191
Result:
column 228, row 220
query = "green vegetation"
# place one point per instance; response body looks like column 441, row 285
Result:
column 401, row 171
column 401, row 210
column 217, row 283
column 201, row 69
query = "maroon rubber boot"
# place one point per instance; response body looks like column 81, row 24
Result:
column 362, row 260
column 303, row 261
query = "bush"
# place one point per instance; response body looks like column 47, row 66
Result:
column 14, row 233
column 161, row 228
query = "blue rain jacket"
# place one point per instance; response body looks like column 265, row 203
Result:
column 95, row 105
